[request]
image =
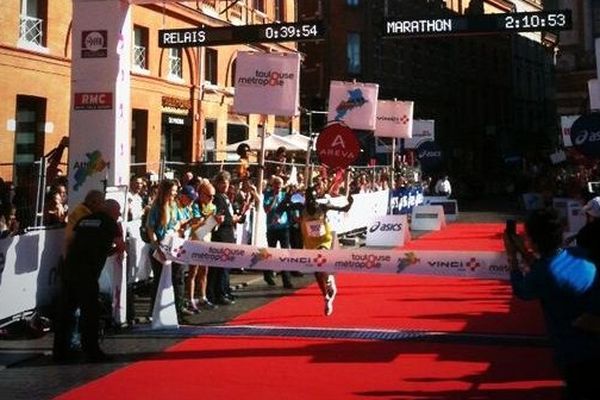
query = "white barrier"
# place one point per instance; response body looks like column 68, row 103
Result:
column 29, row 270
column 571, row 213
column 479, row 264
column 388, row 231
column 164, row 314
column 427, row 218
column 450, row 206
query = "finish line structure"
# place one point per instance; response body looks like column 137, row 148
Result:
column 474, row 264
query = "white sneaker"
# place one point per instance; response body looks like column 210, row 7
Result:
column 330, row 296
column 328, row 305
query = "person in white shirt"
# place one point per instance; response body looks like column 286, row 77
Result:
column 443, row 187
column 135, row 202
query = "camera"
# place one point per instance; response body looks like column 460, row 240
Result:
column 511, row 227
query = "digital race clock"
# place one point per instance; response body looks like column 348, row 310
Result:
column 537, row 21
column 483, row 23
column 228, row 35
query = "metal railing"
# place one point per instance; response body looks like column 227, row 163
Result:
column 139, row 57
column 31, row 30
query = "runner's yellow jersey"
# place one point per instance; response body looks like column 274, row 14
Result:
column 316, row 231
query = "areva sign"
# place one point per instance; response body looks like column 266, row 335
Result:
column 337, row 146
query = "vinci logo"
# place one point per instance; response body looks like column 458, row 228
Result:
column 266, row 78
column 93, row 101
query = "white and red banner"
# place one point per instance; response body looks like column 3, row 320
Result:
column 354, row 104
column 423, row 131
column 394, row 119
column 566, row 121
column 267, row 84
column 485, row 265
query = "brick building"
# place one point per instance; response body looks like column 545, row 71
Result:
column 181, row 99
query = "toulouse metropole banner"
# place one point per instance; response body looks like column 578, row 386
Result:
column 354, row 104
column 267, row 84
column 485, row 265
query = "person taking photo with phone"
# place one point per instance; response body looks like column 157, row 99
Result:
column 566, row 284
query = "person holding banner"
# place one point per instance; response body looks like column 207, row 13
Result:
column 218, row 289
column 202, row 211
column 317, row 235
column 278, row 224
column 163, row 220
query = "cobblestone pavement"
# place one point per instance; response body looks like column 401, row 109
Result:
column 27, row 370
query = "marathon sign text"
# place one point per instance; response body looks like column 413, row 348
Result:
column 536, row 21
column 484, row 265
column 93, row 101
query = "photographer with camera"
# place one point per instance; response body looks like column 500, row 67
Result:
column 565, row 282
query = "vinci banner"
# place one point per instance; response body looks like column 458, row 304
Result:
column 267, row 84
column 394, row 119
column 354, row 104
column 478, row 264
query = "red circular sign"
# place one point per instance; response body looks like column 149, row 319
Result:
column 337, row 146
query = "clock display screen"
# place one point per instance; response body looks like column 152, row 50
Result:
column 486, row 23
column 230, row 35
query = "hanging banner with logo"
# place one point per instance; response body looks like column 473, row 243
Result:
column 478, row 264
column 429, row 155
column 267, row 84
column 337, row 146
column 394, row 119
column 99, row 148
column 354, row 104
column 566, row 121
column 423, row 130
column 585, row 134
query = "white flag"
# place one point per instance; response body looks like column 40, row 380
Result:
column 394, row 119
column 267, row 84
column 354, row 104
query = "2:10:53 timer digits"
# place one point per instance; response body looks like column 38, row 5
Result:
column 304, row 31
column 537, row 20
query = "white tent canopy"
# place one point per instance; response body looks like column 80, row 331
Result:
column 293, row 142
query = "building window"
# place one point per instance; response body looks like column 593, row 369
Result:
column 209, row 143
column 31, row 26
column 352, row 3
column 140, row 47
column 236, row 133
column 279, row 10
column 211, row 66
column 139, row 139
column 233, row 72
column 175, row 65
column 353, row 53
column 596, row 19
column 259, row 5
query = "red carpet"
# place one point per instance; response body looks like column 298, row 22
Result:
column 457, row 236
column 230, row 367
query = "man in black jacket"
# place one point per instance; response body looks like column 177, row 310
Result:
column 96, row 236
column 218, row 289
